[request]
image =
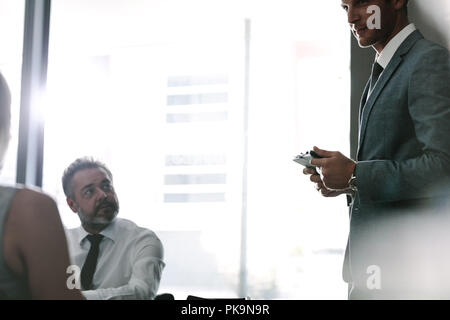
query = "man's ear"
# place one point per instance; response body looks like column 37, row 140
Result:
column 71, row 204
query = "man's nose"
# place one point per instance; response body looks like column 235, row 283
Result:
column 352, row 16
column 102, row 194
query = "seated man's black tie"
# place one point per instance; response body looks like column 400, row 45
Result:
column 87, row 273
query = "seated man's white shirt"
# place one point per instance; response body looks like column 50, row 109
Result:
column 130, row 261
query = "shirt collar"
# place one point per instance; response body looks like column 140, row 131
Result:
column 389, row 50
column 108, row 232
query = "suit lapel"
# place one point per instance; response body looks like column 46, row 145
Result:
column 384, row 78
column 363, row 101
column 382, row 81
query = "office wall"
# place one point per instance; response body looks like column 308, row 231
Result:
column 431, row 17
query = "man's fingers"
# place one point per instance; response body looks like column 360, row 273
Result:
column 315, row 178
column 326, row 192
column 318, row 162
column 309, row 171
column 323, row 153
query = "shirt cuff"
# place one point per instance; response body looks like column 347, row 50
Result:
column 91, row 295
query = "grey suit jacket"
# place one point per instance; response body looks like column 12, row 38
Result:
column 403, row 170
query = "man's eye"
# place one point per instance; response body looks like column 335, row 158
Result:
column 107, row 187
column 87, row 192
column 345, row 8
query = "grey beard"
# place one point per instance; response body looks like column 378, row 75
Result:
column 96, row 222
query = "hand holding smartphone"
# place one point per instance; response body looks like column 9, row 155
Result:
column 305, row 159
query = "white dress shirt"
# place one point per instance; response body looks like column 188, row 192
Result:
column 130, row 261
column 389, row 50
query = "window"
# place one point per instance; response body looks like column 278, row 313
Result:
column 165, row 114
column 11, row 33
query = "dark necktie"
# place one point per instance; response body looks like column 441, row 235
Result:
column 87, row 273
column 376, row 71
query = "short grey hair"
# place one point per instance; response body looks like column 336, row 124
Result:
column 78, row 165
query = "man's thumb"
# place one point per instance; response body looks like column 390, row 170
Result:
column 323, row 153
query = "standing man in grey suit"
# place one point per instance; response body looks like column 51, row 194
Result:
column 398, row 245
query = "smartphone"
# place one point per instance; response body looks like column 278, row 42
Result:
column 305, row 159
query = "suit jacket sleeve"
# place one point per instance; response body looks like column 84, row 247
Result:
column 428, row 174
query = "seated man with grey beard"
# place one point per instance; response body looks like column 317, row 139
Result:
column 118, row 259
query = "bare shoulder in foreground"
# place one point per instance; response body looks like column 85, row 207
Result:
column 35, row 246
